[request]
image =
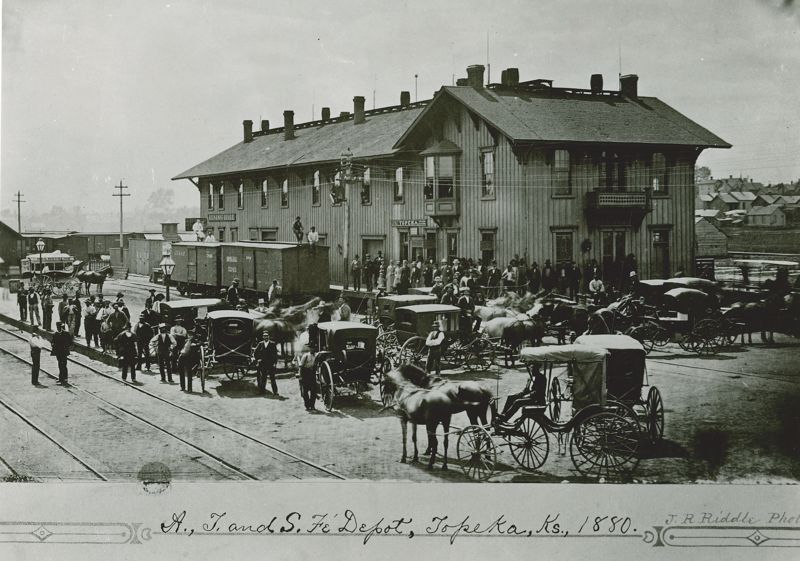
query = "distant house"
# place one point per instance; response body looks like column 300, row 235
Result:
column 10, row 247
column 745, row 198
column 788, row 200
column 764, row 199
column 770, row 215
column 706, row 200
column 709, row 240
column 709, row 213
column 724, row 202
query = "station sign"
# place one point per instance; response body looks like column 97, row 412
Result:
column 410, row 223
column 222, row 217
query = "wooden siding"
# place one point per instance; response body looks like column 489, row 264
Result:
column 710, row 241
column 524, row 213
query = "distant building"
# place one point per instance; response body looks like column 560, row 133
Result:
column 11, row 244
column 708, row 214
column 770, row 215
column 764, row 199
column 710, row 241
column 745, row 198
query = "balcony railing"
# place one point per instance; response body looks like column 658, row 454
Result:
column 617, row 208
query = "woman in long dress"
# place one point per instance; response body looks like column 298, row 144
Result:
column 390, row 277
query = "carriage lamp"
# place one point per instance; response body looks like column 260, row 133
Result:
column 167, row 266
column 40, row 247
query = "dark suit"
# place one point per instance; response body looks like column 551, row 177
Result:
column 164, row 344
column 266, row 355
column 125, row 343
column 62, row 341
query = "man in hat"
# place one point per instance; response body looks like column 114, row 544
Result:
column 467, row 306
column 313, row 238
column 116, row 321
column 297, row 228
column 266, row 356
column 242, row 305
column 162, row 344
column 274, row 293
column 125, row 344
column 36, row 343
column 189, row 358
column 151, row 316
column 210, row 236
column 33, row 307
column 438, row 288
column 62, row 341
column 90, row 323
column 179, row 334
column 120, row 296
column 435, row 342
column 305, row 372
column 22, row 302
column 445, row 272
column 366, row 272
column 144, row 332
column 262, row 306
column 63, row 309
column 232, row 295
column 449, row 297
column 355, row 273
column 152, row 298
column 47, row 309
column 344, row 309
column 493, row 280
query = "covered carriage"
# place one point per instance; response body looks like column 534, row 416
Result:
column 54, row 271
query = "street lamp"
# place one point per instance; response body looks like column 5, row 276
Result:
column 40, row 246
column 167, row 266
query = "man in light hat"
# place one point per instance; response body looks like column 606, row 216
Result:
column 266, row 356
column 305, row 373
column 449, row 296
column 434, row 342
column 262, row 306
column 179, row 334
column 344, row 309
column 233, row 293
column 36, row 343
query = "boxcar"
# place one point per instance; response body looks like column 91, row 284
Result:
column 197, row 267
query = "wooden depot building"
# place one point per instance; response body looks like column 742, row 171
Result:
column 520, row 168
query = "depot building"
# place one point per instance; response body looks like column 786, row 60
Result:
column 519, row 168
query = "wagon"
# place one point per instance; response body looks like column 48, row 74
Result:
column 414, row 323
column 346, row 362
column 190, row 309
column 603, row 438
column 386, row 305
column 53, row 271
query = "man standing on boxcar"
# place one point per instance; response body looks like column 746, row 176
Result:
column 125, row 344
column 297, row 228
column 355, row 272
column 313, row 239
column 266, row 356
column 62, row 341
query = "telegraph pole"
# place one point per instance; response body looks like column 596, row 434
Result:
column 120, row 187
column 347, row 166
column 20, row 244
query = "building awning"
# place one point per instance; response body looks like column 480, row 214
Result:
column 441, row 147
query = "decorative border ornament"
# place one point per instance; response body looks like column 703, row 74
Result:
column 726, row 536
column 107, row 533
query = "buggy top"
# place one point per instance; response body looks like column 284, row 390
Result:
column 587, row 363
column 625, row 367
column 230, row 333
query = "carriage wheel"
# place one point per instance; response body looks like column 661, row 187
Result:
column 529, row 443
column 325, row 383
column 474, row 362
column 660, row 335
column 413, row 352
column 554, row 399
column 476, row 452
column 655, row 415
column 708, row 331
column 642, row 334
column 605, row 445
column 234, row 373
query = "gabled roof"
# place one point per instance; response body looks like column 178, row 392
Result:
column 789, row 199
column 314, row 142
column 763, row 210
column 706, row 213
column 767, row 198
column 728, row 198
column 708, row 198
column 744, row 195
column 557, row 115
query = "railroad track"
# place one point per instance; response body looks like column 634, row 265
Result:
column 287, row 456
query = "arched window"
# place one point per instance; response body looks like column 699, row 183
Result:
column 240, row 195
column 366, row 191
column 285, row 193
column 264, row 192
column 210, row 194
column 221, row 197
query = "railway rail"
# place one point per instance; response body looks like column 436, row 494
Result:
column 287, row 455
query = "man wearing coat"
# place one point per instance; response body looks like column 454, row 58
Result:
column 62, row 341
column 47, row 309
column 162, row 344
column 266, row 355
column 22, row 302
column 125, row 344
column 143, row 332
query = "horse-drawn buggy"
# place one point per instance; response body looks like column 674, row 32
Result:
column 190, row 309
column 604, row 436
column 346, row 362
column 53, row 271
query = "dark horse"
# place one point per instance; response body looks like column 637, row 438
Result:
column 423, row 400
column 88, row 278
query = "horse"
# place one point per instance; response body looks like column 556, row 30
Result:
column 513, row 331
column 419, row 406
column 285, row 324
column 764, row 316
column 88, row 278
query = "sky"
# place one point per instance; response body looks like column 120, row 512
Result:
column 95, row 92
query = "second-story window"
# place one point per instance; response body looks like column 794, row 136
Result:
column 660, row 174
column 439, row 177
column 240, row 195
column 430, row 177
column 221, row 197
column 366, row 189
column 315, row 189
column 612, row 171
column 264, row 199
column 399, row 187
column 210, row 194
column 487, row 179
column 561, row 179
column 285, row 193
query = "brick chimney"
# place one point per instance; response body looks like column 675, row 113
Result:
column 344, row 115
column 475, row 75
column 264, row 125
column 510, row 77
column 462, row 82
column 288, row 125
column 405, row 99
column 169, row 231
column 358, row 110
column 629, row 85
column 326, row 113
column 248, row 130
column 596, row 82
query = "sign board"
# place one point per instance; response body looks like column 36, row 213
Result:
column 410, row 222
column 704, row 267
column 222, row 217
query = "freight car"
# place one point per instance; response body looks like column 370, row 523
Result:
column 205, row 268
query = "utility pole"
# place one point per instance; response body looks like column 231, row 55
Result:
column 21, row 243
column 120, row 187
column 347, row 165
